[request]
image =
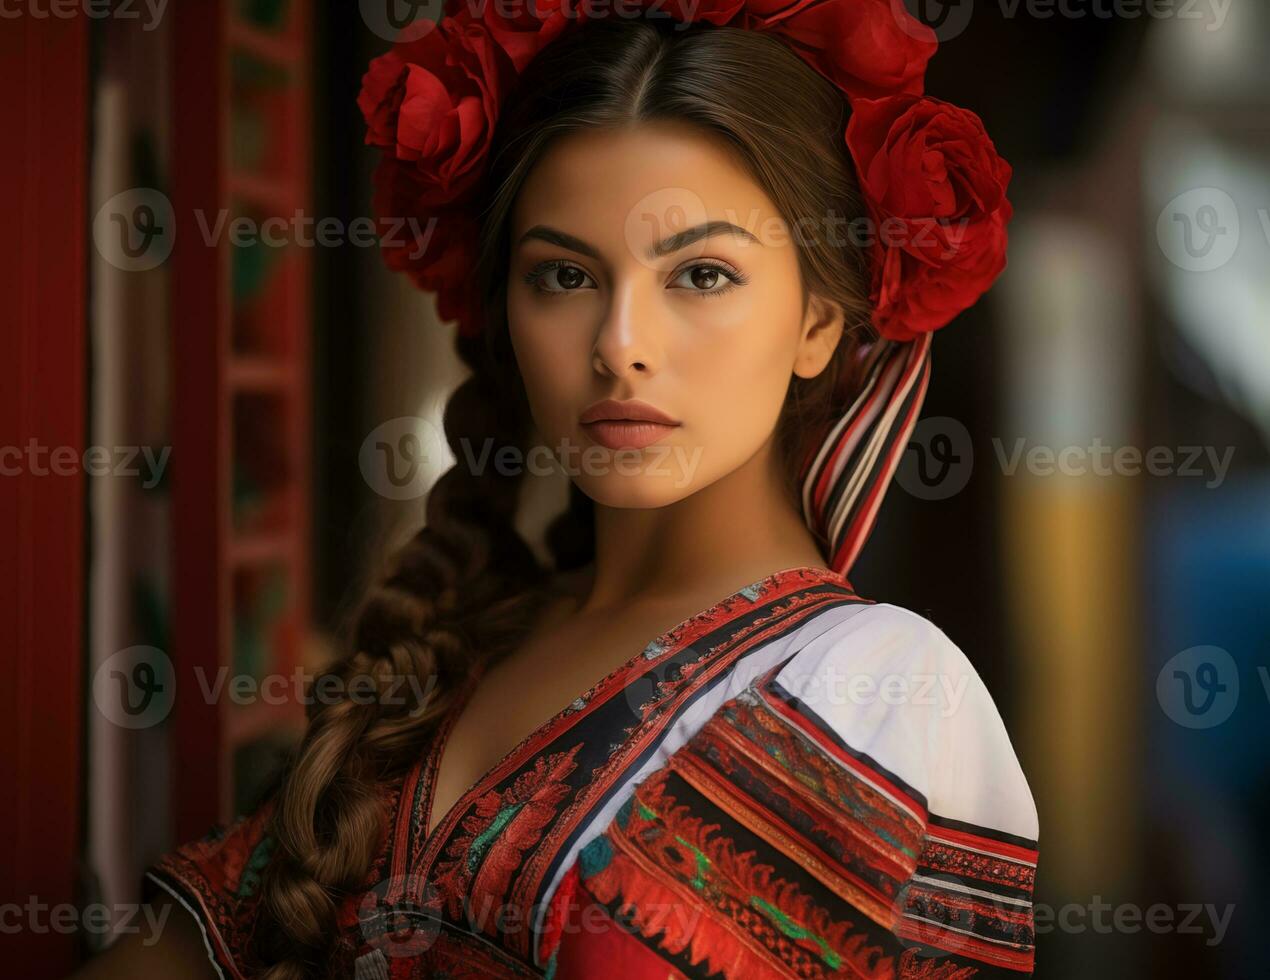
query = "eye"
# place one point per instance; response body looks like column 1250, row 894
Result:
column 557, row 276
column 711, row 278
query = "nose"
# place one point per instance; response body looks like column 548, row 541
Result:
column 627, row 340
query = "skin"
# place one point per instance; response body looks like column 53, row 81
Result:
column 679, row 525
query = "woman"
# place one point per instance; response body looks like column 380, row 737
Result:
column 648, row 233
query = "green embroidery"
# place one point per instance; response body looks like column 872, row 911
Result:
column 595, row 857
column 646, row 813
column 476, row 853
column 703, row 864
column 794, row 931
column 255, row 866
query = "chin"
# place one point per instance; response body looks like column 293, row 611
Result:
column 642, row 491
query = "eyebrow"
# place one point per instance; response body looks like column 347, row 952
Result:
column 666, row 246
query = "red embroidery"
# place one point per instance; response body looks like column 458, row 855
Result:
column 482, row 859
column 685, row 885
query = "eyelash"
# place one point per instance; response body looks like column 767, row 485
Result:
column 737, row 278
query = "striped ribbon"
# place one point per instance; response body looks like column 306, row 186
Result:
column 845, row 482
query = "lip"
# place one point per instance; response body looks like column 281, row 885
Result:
column 626, row 434
column 632, row 410
column 626, row 425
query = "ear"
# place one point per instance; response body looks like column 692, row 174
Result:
column 822, row 330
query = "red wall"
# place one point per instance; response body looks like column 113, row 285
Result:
column 43, row 353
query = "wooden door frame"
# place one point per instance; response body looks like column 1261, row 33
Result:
column 45, row 68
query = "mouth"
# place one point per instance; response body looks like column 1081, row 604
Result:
column 626, row 425
column 626, row 433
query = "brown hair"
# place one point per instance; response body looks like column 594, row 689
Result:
column 467, row 587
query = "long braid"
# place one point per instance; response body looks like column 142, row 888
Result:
column 464, row 589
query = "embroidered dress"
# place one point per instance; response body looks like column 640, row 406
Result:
column 795, row 782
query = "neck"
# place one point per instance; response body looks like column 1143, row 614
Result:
column 737, row 530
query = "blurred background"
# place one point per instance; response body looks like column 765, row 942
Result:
column 189, row 494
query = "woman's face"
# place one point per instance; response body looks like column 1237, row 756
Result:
column 604, row 302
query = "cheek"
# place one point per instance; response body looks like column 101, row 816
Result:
column 554, row 372
column 736, row 391
column 744, row 369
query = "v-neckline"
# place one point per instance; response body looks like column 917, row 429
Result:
column 468, row 689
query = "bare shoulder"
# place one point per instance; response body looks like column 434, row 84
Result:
column 172, row 947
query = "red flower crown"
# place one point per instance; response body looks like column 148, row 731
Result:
column 933, row 183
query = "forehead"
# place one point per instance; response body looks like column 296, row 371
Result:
column 639, row 184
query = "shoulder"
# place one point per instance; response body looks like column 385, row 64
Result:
column 217, row 879
column 892, row 688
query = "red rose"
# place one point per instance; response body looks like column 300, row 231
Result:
column 434, row 100
column 865, row 47
column 522, row 28
column 868, row 48
column 435, row 247
column 935, row 188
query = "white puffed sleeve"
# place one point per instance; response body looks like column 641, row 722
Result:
column 893, row 700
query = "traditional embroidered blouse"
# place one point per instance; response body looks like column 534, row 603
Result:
column 795, row 782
